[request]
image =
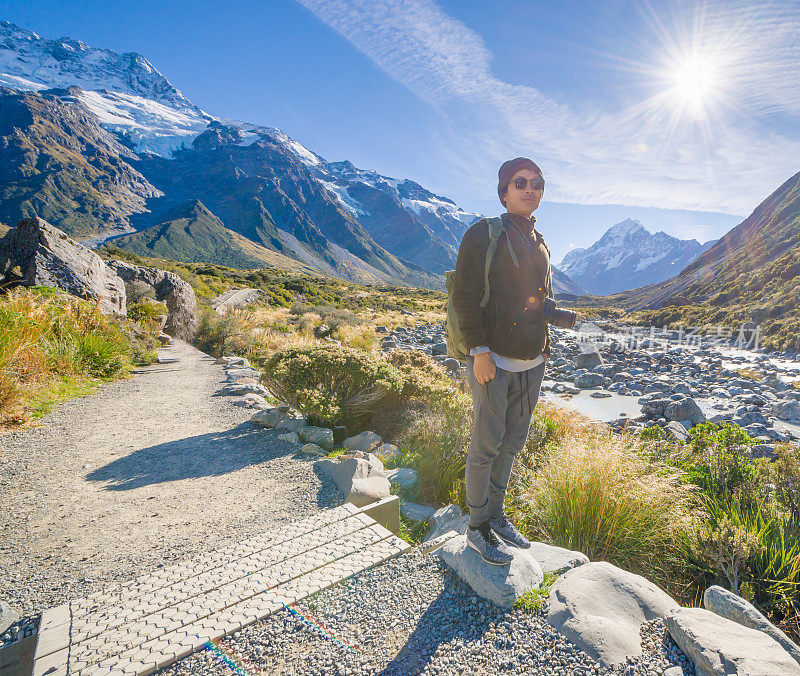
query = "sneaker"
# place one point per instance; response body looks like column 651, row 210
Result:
column 483, row 540
column 506, row 530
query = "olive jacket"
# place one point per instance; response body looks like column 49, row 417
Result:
column 512, row 324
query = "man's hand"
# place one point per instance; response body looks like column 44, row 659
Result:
column 484, row 368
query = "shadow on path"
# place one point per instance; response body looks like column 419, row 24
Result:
column 204, row 455
column 442, row 622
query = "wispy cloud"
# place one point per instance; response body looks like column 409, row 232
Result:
column 648, row 154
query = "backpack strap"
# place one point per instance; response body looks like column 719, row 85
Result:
column 496, row 228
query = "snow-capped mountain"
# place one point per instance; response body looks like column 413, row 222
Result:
column 628, row 256
column 280, row 194
column 125, row 91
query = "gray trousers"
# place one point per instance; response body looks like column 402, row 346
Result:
column 502, row 410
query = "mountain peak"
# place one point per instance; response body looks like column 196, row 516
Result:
column 629, row 225
column 34, row 62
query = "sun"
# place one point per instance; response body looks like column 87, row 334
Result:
column 693, row 81
column 694, row 78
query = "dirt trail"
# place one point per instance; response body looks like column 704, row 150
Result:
column 147, row 470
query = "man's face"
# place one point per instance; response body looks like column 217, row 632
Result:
column 523, row 202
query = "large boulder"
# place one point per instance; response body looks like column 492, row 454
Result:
column 321, row 436
column 502, row 585
column 601, row 608
column 36, row 253
column 685, row 409
column 345, row 472
column 717, row 645
column 732, row 607
column 171, row 290
column 556, row 560
column 368, row 490
column 445, row 519
column 588, row 359
column 787, row 410
column 366, row 441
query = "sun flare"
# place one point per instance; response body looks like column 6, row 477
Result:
column 694, row 79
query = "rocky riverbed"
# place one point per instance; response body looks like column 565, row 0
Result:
column 656, row 381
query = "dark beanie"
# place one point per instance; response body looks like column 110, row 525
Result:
column 509, row 169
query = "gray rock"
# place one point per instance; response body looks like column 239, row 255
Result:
column 447, row 518
column 587, row 360
column 45, row 256
column 321, row 436
column 291, row 424
column 502, row 585
column 171, row 290
column 345, row 471
column 717, row 645
column 763, row 451
column 654, row 408
column 255, row 401
column 677, row 430
column 440, row 348
column 403, row 476
column 387, row 452
column 601, row 608
column 685, row 409
column 241, row 389
column 366, row 441
column 588, row 380
column 7, row 616
column 314, row 449
column 368, row 490
column 236, row 361
column 600, row 394
column 416, row 511
column 270, row 417
column 787, row 410
column 291, row 437
column 556, row 560
column 235, row 374
column 732, row 607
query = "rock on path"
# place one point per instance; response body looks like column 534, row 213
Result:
column 146, row 471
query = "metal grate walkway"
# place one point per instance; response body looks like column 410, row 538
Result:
column 148, row 623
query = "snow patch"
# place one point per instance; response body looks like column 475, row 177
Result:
column 340, row 192
column 646, row 262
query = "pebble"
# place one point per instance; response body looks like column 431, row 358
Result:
column 412, row 615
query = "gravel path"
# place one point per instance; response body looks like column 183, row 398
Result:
column 410, row 616
column 146, row 471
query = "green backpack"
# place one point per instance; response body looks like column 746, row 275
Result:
column 455, row 341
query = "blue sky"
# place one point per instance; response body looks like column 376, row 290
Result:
column 682, row 114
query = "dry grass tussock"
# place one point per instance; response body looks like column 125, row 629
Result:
column 53, row 345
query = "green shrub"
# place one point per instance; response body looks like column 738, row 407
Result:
column 784, row 474
column 716, row 461
column 147, row 310
column 334, row 385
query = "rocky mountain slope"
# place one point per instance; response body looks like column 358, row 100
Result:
column 158, row 150
column 627, row 256
column 756, row 264
column 58, row 163
column 192, row 234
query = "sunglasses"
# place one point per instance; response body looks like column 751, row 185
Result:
column 522, row 183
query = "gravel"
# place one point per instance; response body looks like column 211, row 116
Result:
column 410, row 616
column 147, row 471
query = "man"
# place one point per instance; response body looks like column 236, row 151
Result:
column 508, row 342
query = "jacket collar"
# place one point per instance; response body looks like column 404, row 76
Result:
column 527, row 225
